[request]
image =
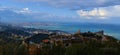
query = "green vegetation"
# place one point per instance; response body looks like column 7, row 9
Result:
column 86, row 48
column 91, row 48
column 13, row 49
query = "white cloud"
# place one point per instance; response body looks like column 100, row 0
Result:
column 93, row 13
column 25, row 10
column 101, row 12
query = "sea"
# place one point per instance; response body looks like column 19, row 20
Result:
column 73, row 27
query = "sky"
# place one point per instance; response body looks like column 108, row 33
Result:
column 96, row 11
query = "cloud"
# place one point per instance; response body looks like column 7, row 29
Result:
column 96, row 12
column 76, row 4
column 101, row 12
column 22, row 15
column 25, row 10
column 10, row 13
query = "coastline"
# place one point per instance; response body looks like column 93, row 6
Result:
column 72, row 28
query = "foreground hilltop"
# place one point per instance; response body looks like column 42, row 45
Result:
column 79, row 43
